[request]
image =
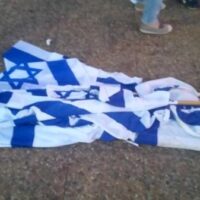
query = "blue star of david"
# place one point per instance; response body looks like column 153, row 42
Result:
column 63, row 94
column 88, row 94
column 16, row 83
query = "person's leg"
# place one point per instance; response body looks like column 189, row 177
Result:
column 136, row 1
column 150, row 22
column 139, row 5
column 151, row 11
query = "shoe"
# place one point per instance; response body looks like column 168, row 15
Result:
column 140, row 7
column 192, row 4
column 161, row 30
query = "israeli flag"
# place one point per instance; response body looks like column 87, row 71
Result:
column 49, row 100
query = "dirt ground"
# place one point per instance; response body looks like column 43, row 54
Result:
column 103, row 33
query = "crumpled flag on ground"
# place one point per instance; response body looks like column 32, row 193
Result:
column 49, row 100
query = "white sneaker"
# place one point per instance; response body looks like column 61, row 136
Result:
column 161, row 30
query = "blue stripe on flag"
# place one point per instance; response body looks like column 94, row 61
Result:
column 133, row 123
column 128, row 120
column 106, row 137
column 58, row 109
column 5, row 97
column 117, row 99
column 130, row 87
column 28, row 120
column 109, row 80
column 62, row 73
column 17, row 56
column 149, row 136
column 82, row 122
column 64, row 122
column 61, row 122
column 23, row 136
column 14, row 111
column 38, row 92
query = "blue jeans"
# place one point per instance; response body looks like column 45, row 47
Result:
column 151, row 10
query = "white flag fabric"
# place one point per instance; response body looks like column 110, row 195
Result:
column 50, row 100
